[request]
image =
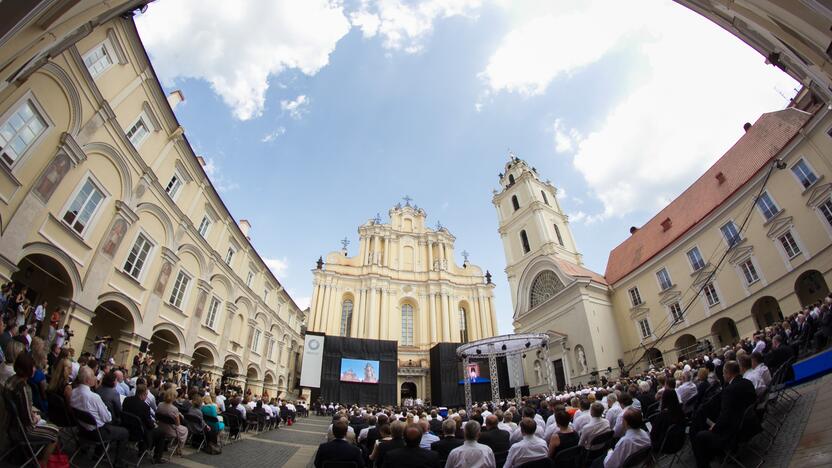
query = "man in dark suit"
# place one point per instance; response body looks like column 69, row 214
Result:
column 338, row 449
column 373, row 433
column 154, row 435
column 110, row 397
column 448, row 441
column 396, row 442
column 411, row 455
column 434, row 423
column 495, row 438
column 737, row 395
column 779, row 355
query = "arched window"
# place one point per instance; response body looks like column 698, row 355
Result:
column 407, row 325
column 346, row 317
column 510, row 180
column 524, row 239
column 463, row 325
column 515, row 203
column 545, row 285
column 545, row 199
column 557, row 233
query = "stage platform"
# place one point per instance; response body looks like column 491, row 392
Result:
column 812, row 368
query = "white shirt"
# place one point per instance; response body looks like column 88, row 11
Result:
column 686, row 392
column 6, row 371
column 613, row 413
column 84, row 399
column 517, row 434
column 759, row 347
column 364, row 432
column 757, row 379
column 530, row 448
column 471, row 454
column 242, row 409
column 539, row 420
column 503, row 426
column 40, row 313
column 592, row 428
column 59, row 337
column 580, row 420
column 633, row 441
column 220, row 402
column 427, row 439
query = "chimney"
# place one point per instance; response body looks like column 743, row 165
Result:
column 746, row 126
column 633, row 230
column 201, row 161
column 720, row 177
column 245, row 227
column 174, row 98
column 666, row 224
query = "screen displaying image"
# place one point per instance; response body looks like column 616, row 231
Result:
column 359, row 370
column 473, row 373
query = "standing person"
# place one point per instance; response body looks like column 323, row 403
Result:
column 40, row 316
column 18, row 389
column 472, row 454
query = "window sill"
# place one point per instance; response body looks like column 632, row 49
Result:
column 795, row 256
column 774, row 217
column 176, row 309
column 753, row 282
column 71, row 232
column 812, row 185
column 130, row 278
column 210, row 329
column 711, row 306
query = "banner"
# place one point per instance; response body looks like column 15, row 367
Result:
column 313, row 354
column 516, row 377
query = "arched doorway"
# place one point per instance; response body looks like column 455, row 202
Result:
column 253, row 381
column 203, row 358
column 112, row 322
column 408, row 390
column 45, row 279
column 231, row 376
column 766, row 311
column 162, row 343
column 686, row 346
column 810, row 287
column 268, row 384
column 726, row 331
column 655, row 358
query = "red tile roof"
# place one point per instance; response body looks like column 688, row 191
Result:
column 747, row 157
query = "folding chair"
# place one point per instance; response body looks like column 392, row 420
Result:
column 138, row 433
column 21, row 439
column 196, row 422
column 214, row 422
column 90, row 438
column 166, row 419
column 568, row 458
column 544, row 462
column 232, row 425
column 642, row 457
column 60, row 416
column 672, row 443
column 597, row 447
column 737, row 444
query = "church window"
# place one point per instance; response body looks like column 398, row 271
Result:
column 557, row 233
column 544, row 286
column 407, row 325
column 515, row 203
column 346, row 317
column 463, row 325
column 510, row 180
column 635, row 296
column 545, row 199
column 524, row 239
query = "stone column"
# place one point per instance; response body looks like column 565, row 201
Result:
column 474, row 330
column 430, row 256
column 204, row 291
column 376, row 249
column 386, row 251
column 446, row 317
column 492, row 315
column 372, row 314
column 313, row 307
column 385, row 322
column 319, row 317
column 432, row 306
column 333, row 324
column 358, row 314
column 353, row 331
column 454, row 308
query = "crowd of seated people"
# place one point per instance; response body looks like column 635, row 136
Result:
column 152, row 407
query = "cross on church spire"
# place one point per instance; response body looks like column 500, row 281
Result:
column 438, row 225
column 465, row 255
column 345, row 242
column 407, row 200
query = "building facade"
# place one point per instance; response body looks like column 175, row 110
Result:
column 552, row 292
column 403, row 285
column 765, row 207
column 107, row 213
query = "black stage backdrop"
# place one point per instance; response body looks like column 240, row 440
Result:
column 337, row 347
column 446, row 372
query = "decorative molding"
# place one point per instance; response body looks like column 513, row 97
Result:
column 819, row 194
column 117, row 48
column 779, row 227
column 151, row 115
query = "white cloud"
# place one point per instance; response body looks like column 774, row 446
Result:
column 218, row 179
column 272, row 136
column 296, row 107
column 237, row 46
column 278, row 266
column 561, row 193
column 685, row 110
column 302, row 301
column 406, row 25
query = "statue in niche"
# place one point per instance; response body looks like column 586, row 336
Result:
column 581, row 354
column 164, row 275
column 114, row 238
column 53, row 176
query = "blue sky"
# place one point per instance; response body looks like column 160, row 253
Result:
column 314, row 115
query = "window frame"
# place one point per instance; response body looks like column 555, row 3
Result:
column 93, row 220
column 28, row 97
column 662, row 286
column 558, row 234
column 736, row 239
column 176, row 188
column 823, row 213
column 524, row 242
column 229, row 255
column 796, row 246
column 255, row 340
column 109, row 52
column 673, row 318
column 210, row 321
column 640, row 326
column 766, row 211
column 184, row 292
column 808, row 167
column 515, row 202
column 345, row 324
column 208, row 221
column 144, row 119
column 635, row 296
column 408, row 332
column 746, row 272
column 147, row 259
column 249, row 278
column 545, row 198
column 699, row 254
column 708, row 297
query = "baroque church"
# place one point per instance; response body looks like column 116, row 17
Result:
column 403, row 285
column 552, row 292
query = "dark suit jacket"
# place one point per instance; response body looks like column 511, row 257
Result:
column 736, row 397
column 497, row 439
column 137, row 407
column 112, row 399
column 338, row 450
column 444, row 446
column 411, row 457
column 435, row 426
column 777, row 357
column 386, row 447
column 646, row 399
column 372, row 437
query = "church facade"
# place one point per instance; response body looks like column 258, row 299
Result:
column 552, row 292
column 403, row 285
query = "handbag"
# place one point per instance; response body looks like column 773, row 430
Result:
column 58, row 459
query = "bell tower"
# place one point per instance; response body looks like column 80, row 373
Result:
column 531, row 222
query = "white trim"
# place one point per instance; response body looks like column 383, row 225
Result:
column 148, row 259
column 213, row 326
column 639, row 332
column 84, row 234
column 659, row 283
column 811, row 168
column 736, row 228
column 146, row 121
column 823, row 221
column 766, row 219
column 177, row 189
column 49, row 125
column 185, row 293
column 690, row 265
column 109, row 52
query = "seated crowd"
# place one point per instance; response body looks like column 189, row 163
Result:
column 154, row 407
column 712, row 400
